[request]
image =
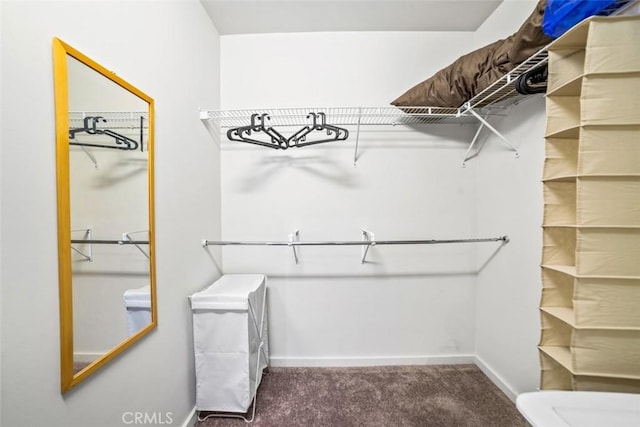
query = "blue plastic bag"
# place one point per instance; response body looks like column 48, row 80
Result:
column 560, row 15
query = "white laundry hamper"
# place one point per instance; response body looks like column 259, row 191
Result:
column 138, row 305
column 230, row 342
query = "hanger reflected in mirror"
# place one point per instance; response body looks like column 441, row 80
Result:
column 91, row 127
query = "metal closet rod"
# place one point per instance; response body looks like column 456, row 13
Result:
column 111, row 242
column 352, row 242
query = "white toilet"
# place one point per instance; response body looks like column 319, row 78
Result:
column 580, row 409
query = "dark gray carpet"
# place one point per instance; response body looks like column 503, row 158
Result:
column 445, row 395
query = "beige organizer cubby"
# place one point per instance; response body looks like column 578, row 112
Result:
column 596, row 352
column 560, row 203
column 566, row 80
column 563, row 116
column 561, row 161
column 610, row 99
column 605, row 302
column 608, row 151
column 557, row 288
column 608, row 252
column 590, row 303
column 611, row 50
column 607, row 384
column 554, row 376
column 557, row 330
column 608, row 201
column 559, row 247
column 589, row 351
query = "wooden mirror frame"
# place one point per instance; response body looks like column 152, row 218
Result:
column 61, row 52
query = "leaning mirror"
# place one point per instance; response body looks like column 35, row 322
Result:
column 104, row 140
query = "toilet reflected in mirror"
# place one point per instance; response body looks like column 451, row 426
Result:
column 104, row 139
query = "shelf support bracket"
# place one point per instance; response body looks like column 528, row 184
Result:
column 91, row 157
column 87, row 236
column 485, row 123
column 355, row 154
column 370, row 238
column 127, row 236
column 294, row 237
column 473, row 142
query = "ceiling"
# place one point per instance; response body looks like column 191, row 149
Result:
column 266, row 16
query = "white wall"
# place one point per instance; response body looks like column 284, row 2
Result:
column 170, row 51
column 411, row 304
column 331, row 310
column 509, row 201
column 1, row 240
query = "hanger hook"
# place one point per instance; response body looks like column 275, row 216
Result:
column 92, row 128
column 323, row 119
column 264, row 117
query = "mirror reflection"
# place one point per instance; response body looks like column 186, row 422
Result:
column 105, row 214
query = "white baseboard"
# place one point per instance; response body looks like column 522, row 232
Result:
column 496, row 379
column 190, row 421
column 456, row 359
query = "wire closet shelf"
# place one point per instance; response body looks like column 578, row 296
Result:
column 491, row 101
column 120, row 120
column 340, row 116
column 495, row 100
